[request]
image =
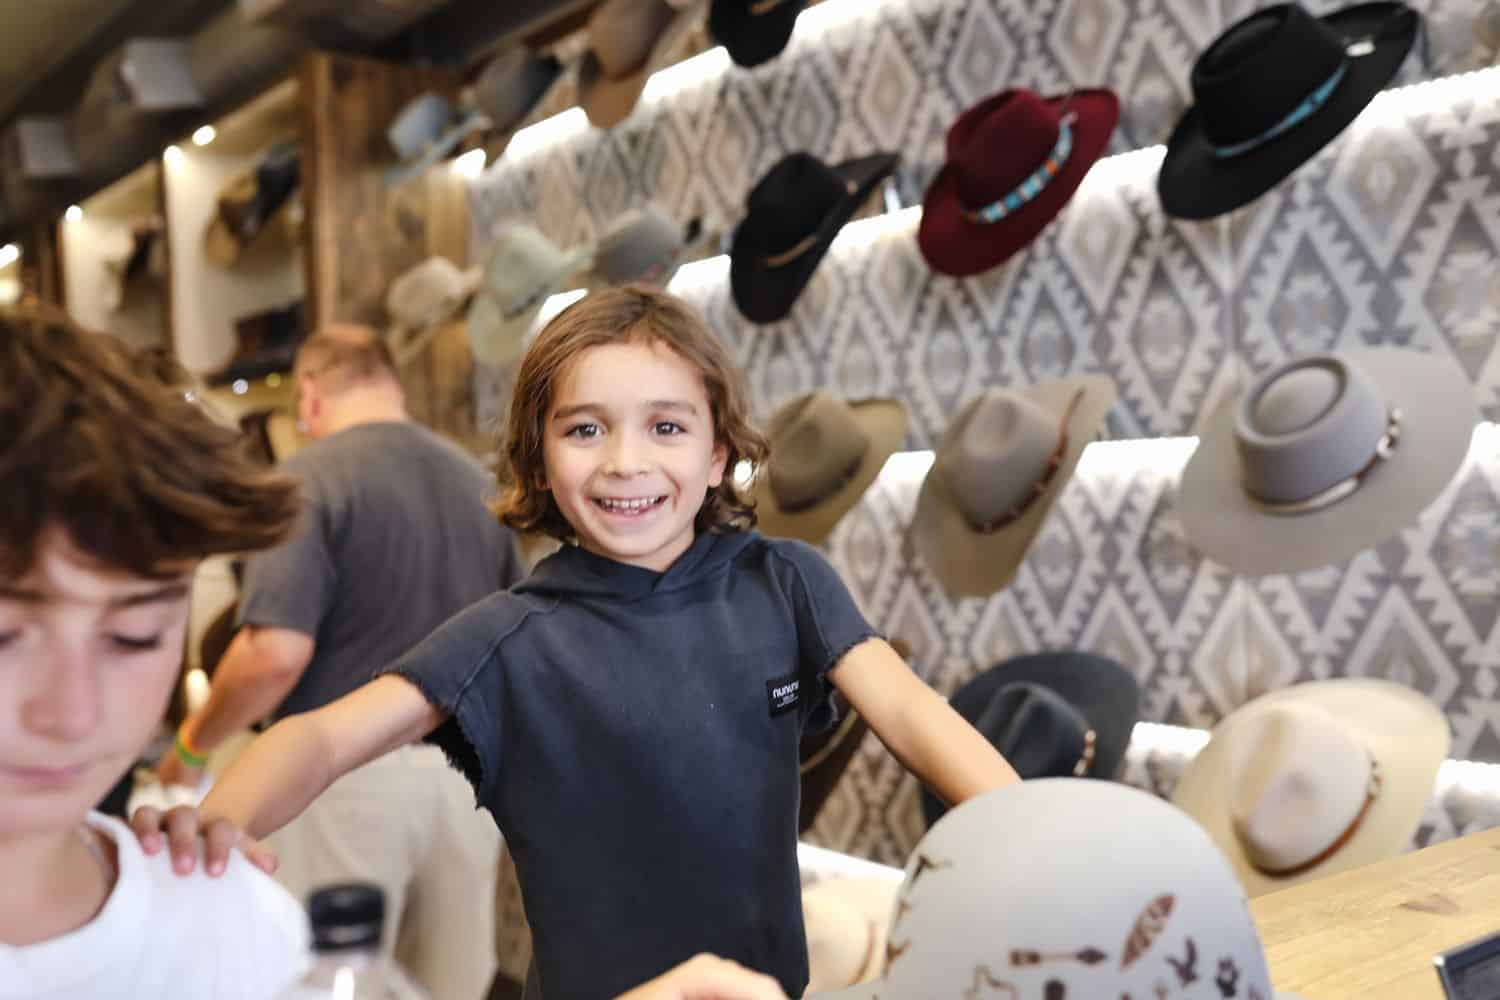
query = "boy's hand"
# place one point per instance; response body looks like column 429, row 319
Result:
column 183, row 829
column 708, row 977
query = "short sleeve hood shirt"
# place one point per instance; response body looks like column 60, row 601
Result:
column 635, row 735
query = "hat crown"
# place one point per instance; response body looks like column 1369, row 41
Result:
column 420, row 122
column 997, row 451
column 815, row 444
column 1306, row 426
column 791, row 199
column 1018, row 872
column 622, row 32
column 1000, row 142
column 1036, row 729
column 1260, row 69
column 1298, row 782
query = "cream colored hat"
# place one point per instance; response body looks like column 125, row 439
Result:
column 999, row 468
column 1060, row 888
column 1316, row 779
column 1325, row 456
column 825, row 453
column 846, row 921
column 425, row 296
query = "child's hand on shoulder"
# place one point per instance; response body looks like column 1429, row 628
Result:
column 184, row 828
column 708, row 977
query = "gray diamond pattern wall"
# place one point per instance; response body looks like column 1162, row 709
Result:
column 1390, row 236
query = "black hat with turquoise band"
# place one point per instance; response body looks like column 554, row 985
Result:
column 1272, row 91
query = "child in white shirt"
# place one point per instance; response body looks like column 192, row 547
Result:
column 115, row 486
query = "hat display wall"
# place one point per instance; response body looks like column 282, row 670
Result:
column 1025, row 892
column 247, row 203
column 996, row 473
column 1316, row 779
column 641, row 245
column 628, row 41
column 1325, row 456
column 825, row 452
column 1051, row 715
column 1270, row 92
column 753, row 31
column 1013, row 161
column 846, row 920
column 793, row 214
column 522, row 268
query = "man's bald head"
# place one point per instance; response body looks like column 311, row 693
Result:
column 343, row 355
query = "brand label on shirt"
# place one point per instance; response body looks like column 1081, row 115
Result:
column 782, row 693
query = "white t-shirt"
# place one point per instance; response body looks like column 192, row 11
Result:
column 236, row 937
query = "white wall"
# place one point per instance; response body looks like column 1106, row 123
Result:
column 208, row 299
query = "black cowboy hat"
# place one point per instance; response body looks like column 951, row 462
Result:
column 1056, row 714
column 793, row 214
column 1270, row 92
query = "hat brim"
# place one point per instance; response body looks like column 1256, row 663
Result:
column 1405, row 733
column 1195, row 183
column 495, row 339
column 1438, row 417
column 969, row 563
column 1104, row 692
column 220, row 246
column 766, row 294
column 956, row 245
column 607, row 101
column 885, row 422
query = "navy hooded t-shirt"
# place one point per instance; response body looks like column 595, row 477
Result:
column 635, row 735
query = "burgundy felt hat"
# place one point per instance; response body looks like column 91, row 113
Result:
column 1013, row 161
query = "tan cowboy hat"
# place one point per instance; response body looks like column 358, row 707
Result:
column 422, row 298
column 1316, row 779
column 1325, row 456
column 997, row 471
column 825, row 452
column 1056, row 887
column 846, row 921
column 628, row 41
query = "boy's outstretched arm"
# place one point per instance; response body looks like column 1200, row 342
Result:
column 918, row 726
column 285, row 768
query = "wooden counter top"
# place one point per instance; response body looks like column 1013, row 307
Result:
column 1373, row 932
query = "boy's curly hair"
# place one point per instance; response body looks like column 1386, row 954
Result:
column 95, row 439
column 629, row 313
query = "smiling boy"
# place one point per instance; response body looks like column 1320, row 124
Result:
column 115, row 487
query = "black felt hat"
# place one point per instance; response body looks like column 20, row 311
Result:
column 793, row 214
column 1052, row 715
column 1270, row 92
column 753, row 31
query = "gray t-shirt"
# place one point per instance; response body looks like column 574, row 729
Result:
column 395, row 539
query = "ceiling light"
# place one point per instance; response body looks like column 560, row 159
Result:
column 204, row 135
column 73, row 214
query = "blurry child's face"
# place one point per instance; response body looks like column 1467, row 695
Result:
column 630, row 451
column 88, row 659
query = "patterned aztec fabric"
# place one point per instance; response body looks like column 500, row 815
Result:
column 1390, row 236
